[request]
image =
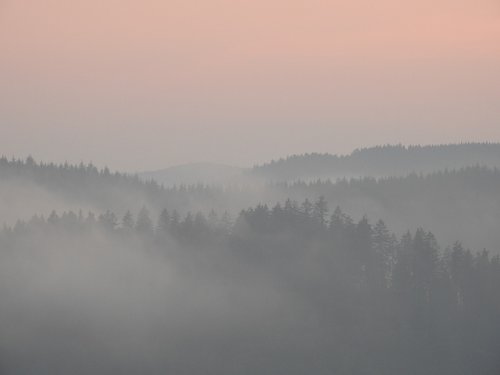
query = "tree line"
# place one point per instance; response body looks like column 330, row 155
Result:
column 400, row 298
column 387, row 160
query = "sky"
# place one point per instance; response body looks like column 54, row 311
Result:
column 142, row 85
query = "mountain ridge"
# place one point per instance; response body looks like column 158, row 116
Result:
column 377, row 161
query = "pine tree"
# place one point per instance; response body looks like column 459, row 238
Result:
column 320, row 210
column 128, row 222
column 144, row 224
column 384, row 252
column 163, row 225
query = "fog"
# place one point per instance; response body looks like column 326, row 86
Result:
column 95, row 303
column 249, row 187
column 450, row 189
column 280, row 290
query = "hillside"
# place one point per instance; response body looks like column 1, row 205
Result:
column 461, row 204
column 380, row 161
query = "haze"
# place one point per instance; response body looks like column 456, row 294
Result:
column 249, row 187
column 149, row 84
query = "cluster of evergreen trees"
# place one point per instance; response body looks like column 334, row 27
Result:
column 348, row 295
column 386, row 297
column 456, row 204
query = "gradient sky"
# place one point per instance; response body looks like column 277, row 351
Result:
column 147, row 84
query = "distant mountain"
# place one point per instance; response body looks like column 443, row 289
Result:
column 196, row 173
column 380, row 161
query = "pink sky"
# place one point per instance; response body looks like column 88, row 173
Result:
column 148, row 84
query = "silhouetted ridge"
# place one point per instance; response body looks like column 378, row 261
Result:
column 381, row 161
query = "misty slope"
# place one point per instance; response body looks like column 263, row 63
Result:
column 380, row 161
column 279, row 288
column 28, row 187
column 195, row 173
column 459, row 205
column 456, row 205
column 282, row 290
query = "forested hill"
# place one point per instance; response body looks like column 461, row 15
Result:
column 459, row 204
column 380, row 161
column 28, row 187
column 291, row 285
